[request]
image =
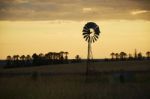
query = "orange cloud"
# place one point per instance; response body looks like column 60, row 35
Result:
column 76, row 10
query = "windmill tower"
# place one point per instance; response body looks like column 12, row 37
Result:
column 90, row 33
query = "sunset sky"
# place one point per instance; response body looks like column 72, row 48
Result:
column 41, row 26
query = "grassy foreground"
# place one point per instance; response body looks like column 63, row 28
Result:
column 77, row 86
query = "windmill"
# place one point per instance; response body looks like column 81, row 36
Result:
column 90, row 34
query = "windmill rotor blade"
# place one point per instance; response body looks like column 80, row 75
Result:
column 85, row 36
column 96, row 27
column 97, row 33
column 95, row 38
column 85, row 27
column 85, row 33
column 91, row 25
column 85, row 30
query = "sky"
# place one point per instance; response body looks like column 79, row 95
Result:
column 41, row 26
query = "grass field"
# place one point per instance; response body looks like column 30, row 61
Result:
column 68, row 81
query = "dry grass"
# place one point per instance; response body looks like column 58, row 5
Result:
column 72, row 86
column 81, row 67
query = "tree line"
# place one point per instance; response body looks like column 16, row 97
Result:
column 62, row 58
column 37, row 59
column 125, row 56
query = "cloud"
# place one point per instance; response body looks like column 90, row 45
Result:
column 74, row 9
column 139, row 12
column 86, row 10
column 21, row 1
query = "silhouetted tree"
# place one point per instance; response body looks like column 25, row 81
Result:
column 117, row 56
column 54, row 55
column 9, row 57
column 112, row 55
column 16, row 61
column 130, row 57
column 28, row 60
column 41, row 59
column 28, row 57
column 16, row 57
column 35, row 58
column 49, row 55
column 77, row 58
column 41, row 55
column 66, row 55
column 61, row 55
column 22, row 57
column 123, row 55
column 57, row 56
column 148, row 54
column 9, row 61
column 140, row 56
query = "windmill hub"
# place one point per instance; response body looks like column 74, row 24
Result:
column 91, row 32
